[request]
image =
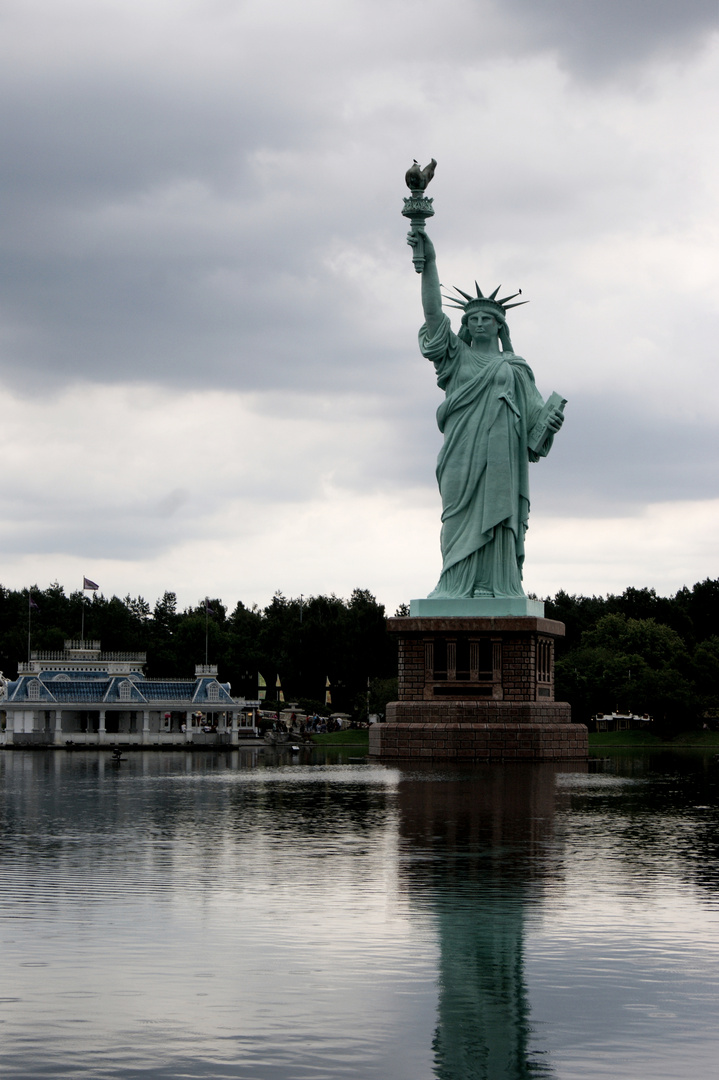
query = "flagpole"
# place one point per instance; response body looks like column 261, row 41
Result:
column 29, row 622
column 87, row 583
column 207, row 615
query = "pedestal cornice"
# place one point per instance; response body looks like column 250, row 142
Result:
column 403, row 624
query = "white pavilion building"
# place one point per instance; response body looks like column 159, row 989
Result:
column 84, row 697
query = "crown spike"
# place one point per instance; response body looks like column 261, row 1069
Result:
column 470, row 303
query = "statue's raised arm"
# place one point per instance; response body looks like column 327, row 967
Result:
column 431, row 295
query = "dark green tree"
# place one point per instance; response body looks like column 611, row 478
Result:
column 636, row 665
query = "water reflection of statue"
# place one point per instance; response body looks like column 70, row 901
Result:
column 474, row 851
column 494, row 422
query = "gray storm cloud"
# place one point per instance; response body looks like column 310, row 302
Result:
column 600, row 39
column 206, row 198
column 166, row 213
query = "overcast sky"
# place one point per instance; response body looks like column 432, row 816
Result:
column 209, row 374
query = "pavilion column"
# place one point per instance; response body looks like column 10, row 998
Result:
column 234, row 740
column 58, row 725
column 145, row 725
column 101, row 730
column 188, row 726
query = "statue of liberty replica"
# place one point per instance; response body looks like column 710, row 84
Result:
column 476, row 657
column 494, row 423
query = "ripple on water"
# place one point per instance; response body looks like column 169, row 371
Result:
column 185, row 919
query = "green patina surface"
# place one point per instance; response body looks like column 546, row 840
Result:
column 494, row 422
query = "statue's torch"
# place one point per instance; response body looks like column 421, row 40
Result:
column 418, row 207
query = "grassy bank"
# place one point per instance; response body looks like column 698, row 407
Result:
column 343, row 738
column 623, row 738
column 708, row 740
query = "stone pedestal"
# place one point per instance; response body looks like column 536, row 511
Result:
column 477, row 687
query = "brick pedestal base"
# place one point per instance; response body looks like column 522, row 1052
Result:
column 477, row 687
column 482, row 742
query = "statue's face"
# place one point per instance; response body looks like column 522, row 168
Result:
column 482, row 324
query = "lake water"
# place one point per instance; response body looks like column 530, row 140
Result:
column 264, row 917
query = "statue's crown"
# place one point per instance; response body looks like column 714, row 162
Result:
column 472, row 303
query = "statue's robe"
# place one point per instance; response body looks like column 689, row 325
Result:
column 490, row 408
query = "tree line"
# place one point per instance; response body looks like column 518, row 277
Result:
column 304, row 641
column 634, row 652
column 641, row 652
